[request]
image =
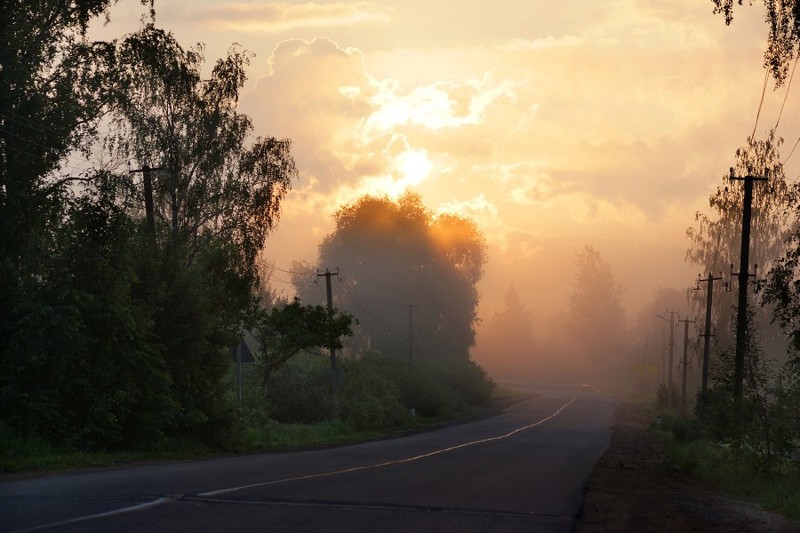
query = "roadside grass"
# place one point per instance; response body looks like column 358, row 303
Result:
column 732, row 472
column 18, row 456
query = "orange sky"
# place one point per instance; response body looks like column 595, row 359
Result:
column 551, row 124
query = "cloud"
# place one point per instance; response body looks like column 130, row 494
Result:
column 277, row 17
column 602, row 131
column 354, row 134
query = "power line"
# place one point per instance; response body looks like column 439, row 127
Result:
column 761, row 103
column 788, row 87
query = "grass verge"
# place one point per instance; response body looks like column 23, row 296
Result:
column 721, row 466
column 31, row 457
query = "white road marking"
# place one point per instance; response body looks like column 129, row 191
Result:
column 393, row 462
column 130, row 509
column 163, row 500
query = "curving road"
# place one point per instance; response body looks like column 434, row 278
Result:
column 523, row 470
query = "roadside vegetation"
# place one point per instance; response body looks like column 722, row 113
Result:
column 126, row 282
column 743, row 432
column 737, row 471
column 380, row 397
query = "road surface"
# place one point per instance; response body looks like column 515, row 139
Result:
column 523, row 470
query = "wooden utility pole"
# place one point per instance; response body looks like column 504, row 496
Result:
column 685, row 361
column 147, row 180
column 671, row 321
column 334, row 370
column 744, row 276
column 707, row 335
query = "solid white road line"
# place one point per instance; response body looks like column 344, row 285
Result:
column 130, row 509
column 393, row 462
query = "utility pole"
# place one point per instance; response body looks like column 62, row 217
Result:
column 671, row 321
column 663, row 356
column 707, row 335
column 744, row 275
column 148, row 192
column 410, row 331
column 334, row 370
column 685, row 362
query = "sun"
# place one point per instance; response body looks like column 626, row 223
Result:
column 413, row 166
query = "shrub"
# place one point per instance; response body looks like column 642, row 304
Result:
column 300, row 391
column 369, row 399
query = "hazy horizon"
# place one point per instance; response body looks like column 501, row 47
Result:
column 552, row 125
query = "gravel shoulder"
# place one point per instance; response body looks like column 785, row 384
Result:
column 634, row 488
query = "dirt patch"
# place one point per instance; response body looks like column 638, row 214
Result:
column 634, row 488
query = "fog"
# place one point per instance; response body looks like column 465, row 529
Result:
column 551, row 126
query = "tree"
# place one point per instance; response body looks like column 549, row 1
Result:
column 82, row 369
column 716, row 240
column 52, row 89
column 216, row 196
column 286, row 331
column 783, row 17
column 507, row 338
column 213, row 182
column 78, row 367
column 396, row 253
column 595, row 303
column 597, row 316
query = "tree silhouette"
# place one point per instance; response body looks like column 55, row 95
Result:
column 395, row 253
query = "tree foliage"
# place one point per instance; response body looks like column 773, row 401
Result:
column 51, row 91
column 595, row 303
column 212, row 181
column 112, row 336
column 783, row 41
column 392, row 254
column 597, row 319
column 508, row 338
column 286, row 331
column 715, row 242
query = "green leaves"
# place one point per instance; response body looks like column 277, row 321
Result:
column 212, row 180
column 783, row 41
column 286, row 331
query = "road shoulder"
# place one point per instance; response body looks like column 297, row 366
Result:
column 634, row 488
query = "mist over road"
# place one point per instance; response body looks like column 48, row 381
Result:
column 523, row 470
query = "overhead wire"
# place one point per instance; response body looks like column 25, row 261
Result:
column 786, row 96
column 761, row 103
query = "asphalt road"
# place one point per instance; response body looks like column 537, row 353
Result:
column 524, row 470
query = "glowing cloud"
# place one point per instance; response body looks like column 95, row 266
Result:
column 277, row 17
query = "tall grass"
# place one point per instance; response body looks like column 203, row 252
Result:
column 732, row 469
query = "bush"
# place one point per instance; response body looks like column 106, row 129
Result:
column 370, row 400
column 468, row 380
column 667, row 397
column 419, row 386
column 300, row 392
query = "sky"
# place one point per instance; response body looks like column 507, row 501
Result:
column 551, row 124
